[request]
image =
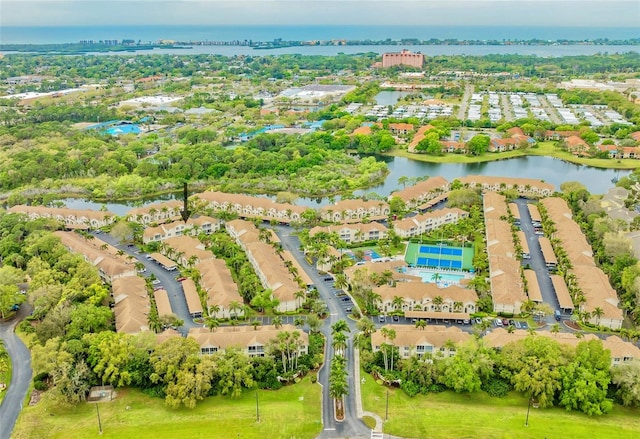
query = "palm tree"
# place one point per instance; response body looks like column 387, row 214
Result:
column 340, row 326
column 300, row 294
column 366, row 326
column 339, row 343
column 341, row 281
column 211, row 323
column 555, row 328
column 397, row 303
column 298, row 322
column 437, row 302
column 457, row 306
column 255, row 324
column 421, row 324
column 277, row 322
column 234, row 305
column 436, row 277
column 598, row 313
column 213, row 310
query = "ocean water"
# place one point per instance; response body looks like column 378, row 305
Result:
column 72, row 34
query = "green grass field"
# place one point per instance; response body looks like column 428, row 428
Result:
column 291, row 412
column 543, row 148
column 450, row 415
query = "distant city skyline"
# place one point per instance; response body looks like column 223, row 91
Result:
column 544, row 13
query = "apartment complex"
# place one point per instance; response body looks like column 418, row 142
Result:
column 204, row 224
column 355, row 211
column 252, row 342
column 425, row 222
column 422, row 192
column 403, row 58
column 246, row 206
column 267, row 263
column 429, row 342
column 353, row 233
column 71, row 218
column 526, row 187
column 600, row 299
column 507, row 289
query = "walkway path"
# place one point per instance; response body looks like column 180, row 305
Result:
column 21, row 373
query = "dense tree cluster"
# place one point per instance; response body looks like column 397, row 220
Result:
column 579, row 378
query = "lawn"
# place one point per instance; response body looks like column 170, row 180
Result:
column 452, row 415
column 291, row 412
column 542, row 149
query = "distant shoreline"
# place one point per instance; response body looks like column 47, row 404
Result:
column 87, row 46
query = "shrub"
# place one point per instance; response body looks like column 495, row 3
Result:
column 26, row 327
column 496, row 387
column 40, row 385
column 410, row 388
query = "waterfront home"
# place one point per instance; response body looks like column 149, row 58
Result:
column 423, row 191
column 186, row 250
column 525, row 186
column 246, row 206
column 355, row 210
column 156, row 213
column 71, row 218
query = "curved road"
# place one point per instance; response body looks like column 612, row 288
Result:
column 21, row 375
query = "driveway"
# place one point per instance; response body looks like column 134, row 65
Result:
column 21, row 375
column 537, row 260
column 166, row 278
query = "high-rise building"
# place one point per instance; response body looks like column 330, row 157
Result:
column 404, row 58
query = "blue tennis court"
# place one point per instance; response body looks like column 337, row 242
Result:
column 440, row 263
column 437, row 250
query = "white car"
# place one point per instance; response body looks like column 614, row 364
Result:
column 155, row 282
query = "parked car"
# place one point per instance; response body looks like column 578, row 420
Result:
column 381, row 319
column 524, row 325
column 518, row 325
column 349, row 309
column 396, row 318
column 155, row 282
column 466, row 322
column 512, row 322
column 505, row 322
column 346, row 299
column 328, row 279
column 181, row 279
column 478, row 321
column 498, row 322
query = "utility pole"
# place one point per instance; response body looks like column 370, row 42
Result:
column 526, row 422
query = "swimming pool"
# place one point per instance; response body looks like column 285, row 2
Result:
column 444, row 278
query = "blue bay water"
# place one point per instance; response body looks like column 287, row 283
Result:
column 72, row 34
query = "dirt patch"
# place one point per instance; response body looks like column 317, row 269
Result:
column 572, row 325
column 35, row 397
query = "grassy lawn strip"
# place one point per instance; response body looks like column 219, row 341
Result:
column 452, row 415
column 291, row 412
column 5, row 378
column 543, row 149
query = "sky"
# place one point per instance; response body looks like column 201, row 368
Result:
column 566, row 13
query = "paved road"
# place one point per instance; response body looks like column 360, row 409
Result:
column 464, row 104
column 167, row 279
column 551, row 111
column 537, row 262
column 352, row 426
column 21, row 375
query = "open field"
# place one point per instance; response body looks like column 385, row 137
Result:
column 452, row 415
column 291, row 412
column 543, row 149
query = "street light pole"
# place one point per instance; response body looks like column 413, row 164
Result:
column 526, row 422
column 99, row 422
column 257, row 408
column 386, row 417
